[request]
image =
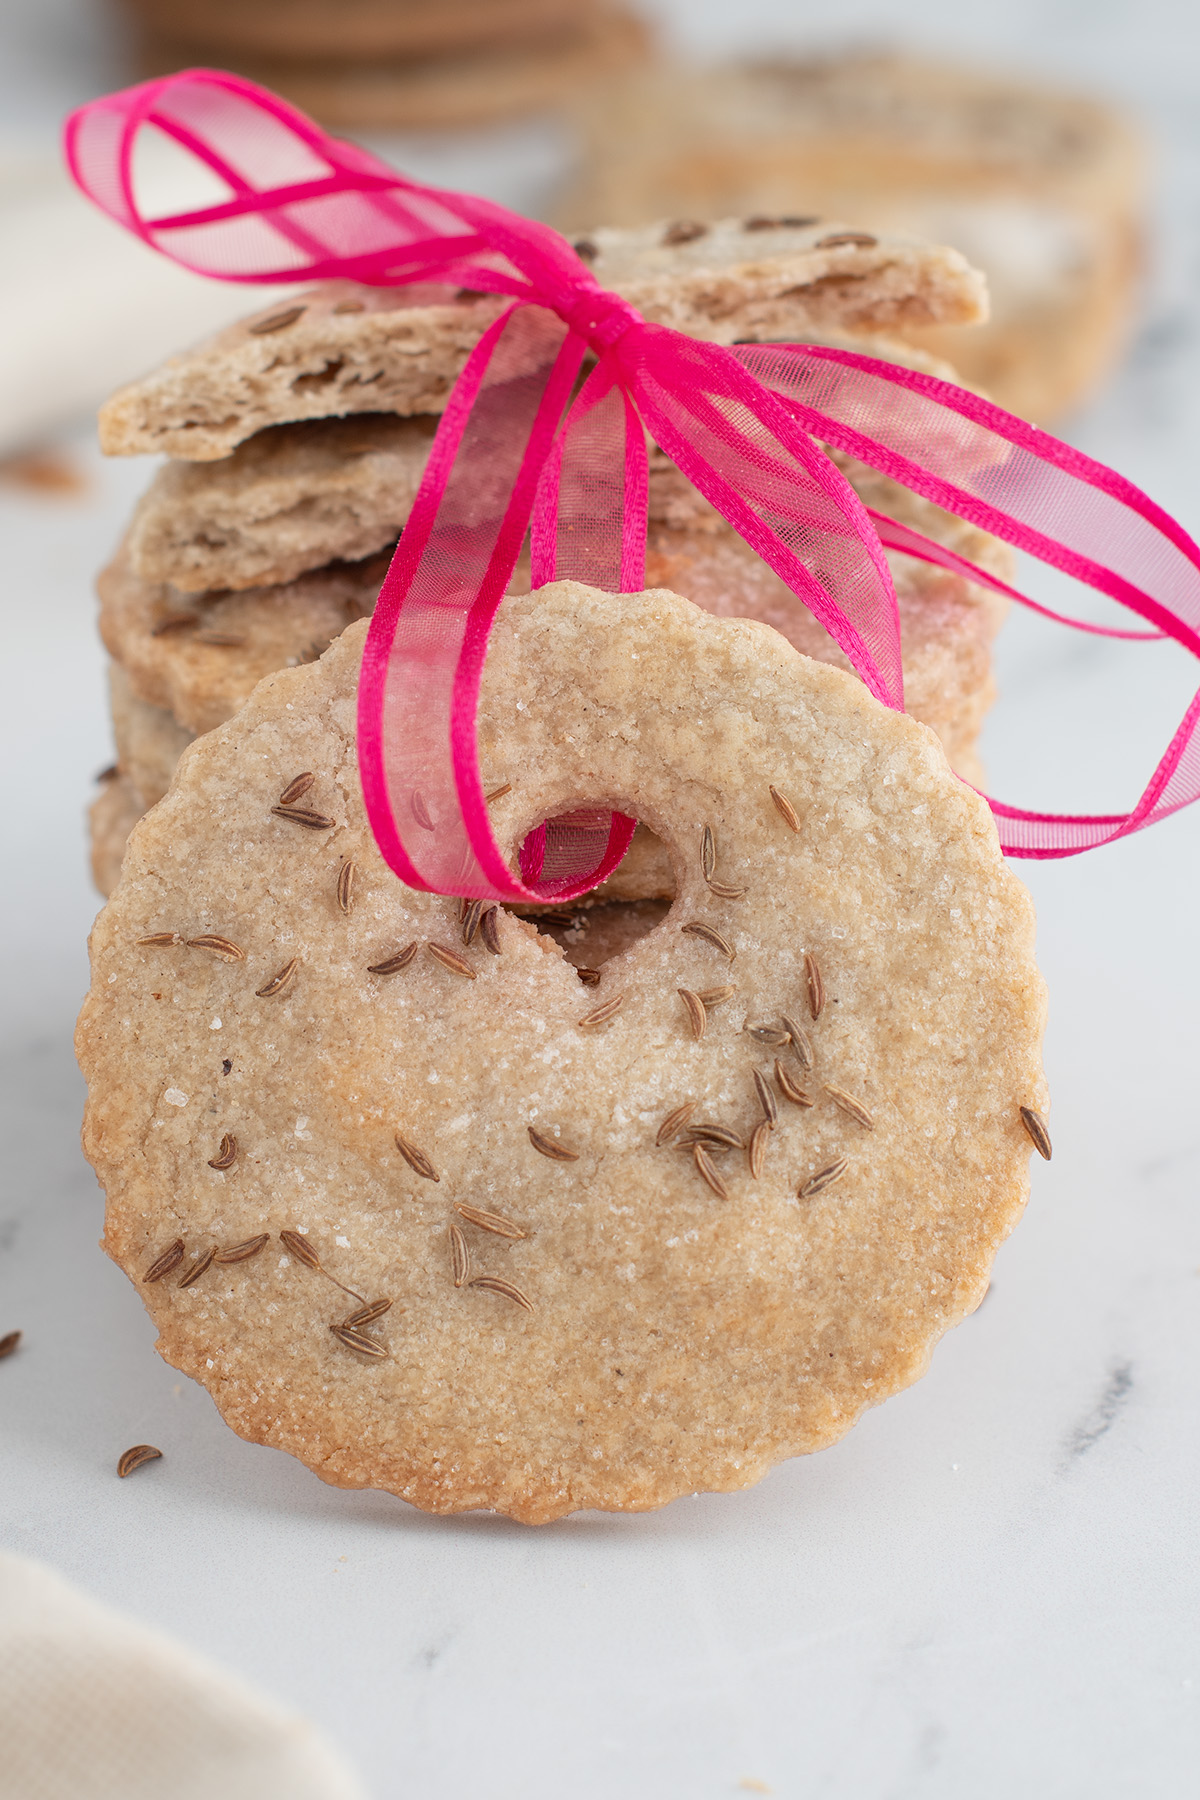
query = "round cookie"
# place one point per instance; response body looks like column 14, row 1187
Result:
column 358, row 28
column 579, row 1315
column 148, row 741
column 200, row 656
column 461, row 85
column 111, row 817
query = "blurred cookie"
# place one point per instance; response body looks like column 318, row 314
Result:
column 563, row 1280
column 1043, row 191
column 348, row 28
column 542, row 69
column 343, row 349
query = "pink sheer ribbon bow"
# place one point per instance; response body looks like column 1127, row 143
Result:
column 515, row 453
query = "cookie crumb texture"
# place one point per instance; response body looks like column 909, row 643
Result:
column 605, row 1331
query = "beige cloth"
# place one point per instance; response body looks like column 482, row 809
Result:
column 96, row 1707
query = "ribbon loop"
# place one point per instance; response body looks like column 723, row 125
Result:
column 511, row 450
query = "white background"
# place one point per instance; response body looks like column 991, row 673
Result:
column 990, row 1588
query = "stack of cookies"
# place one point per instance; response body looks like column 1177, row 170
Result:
column 296, row 441
column 421, row 1201
column 402, row 64
column 1044, row 191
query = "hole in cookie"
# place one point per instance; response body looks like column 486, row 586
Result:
column 588, row 937
column 633, row 902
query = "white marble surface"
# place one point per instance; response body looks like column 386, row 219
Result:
column 990, row 1588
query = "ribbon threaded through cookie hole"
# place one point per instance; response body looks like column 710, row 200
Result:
column 603, row 923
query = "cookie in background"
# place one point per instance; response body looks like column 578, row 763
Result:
column 1043, row 191
column 398, row 64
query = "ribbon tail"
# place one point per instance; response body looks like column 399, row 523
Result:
column 1051, row 836
column 982, row 464
column 894, row 535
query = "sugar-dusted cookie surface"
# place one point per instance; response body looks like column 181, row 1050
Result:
column 578, row 1315
column 343, row 349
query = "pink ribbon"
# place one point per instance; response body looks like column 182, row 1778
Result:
column 514, row 453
